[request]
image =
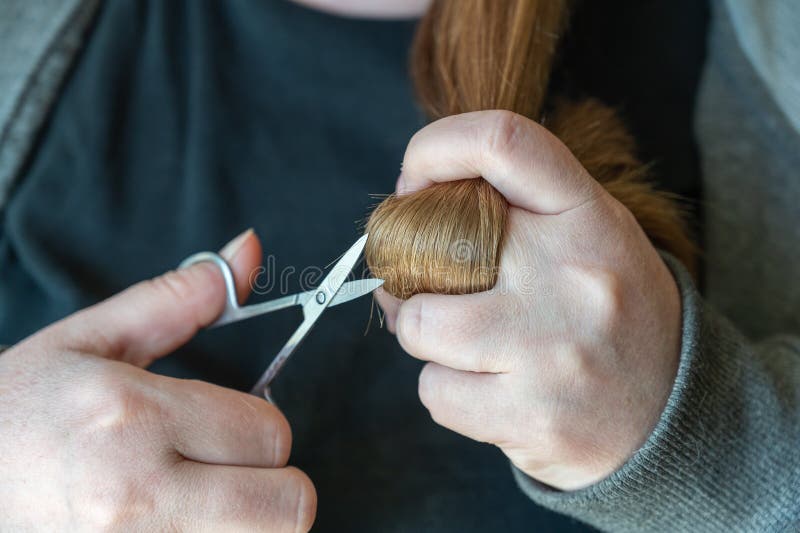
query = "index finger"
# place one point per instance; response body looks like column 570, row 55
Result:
column 238, row 498
column 462, row 331
column 521, row 159
column 215, row 425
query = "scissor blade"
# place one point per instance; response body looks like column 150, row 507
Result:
column 349, row 291
column 312, row 310
column 335, row 278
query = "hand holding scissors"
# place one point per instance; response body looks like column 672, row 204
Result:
column 132, row 448
column 332, row 291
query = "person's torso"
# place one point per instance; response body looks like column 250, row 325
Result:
column 184, row 123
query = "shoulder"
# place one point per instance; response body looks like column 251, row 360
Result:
column 38, row 43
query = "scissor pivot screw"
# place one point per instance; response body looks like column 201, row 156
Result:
column 320, row 297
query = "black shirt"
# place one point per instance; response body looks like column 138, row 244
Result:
column 184, row 123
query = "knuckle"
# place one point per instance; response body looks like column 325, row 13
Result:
column 578, row 382
column 104, row 512
column 81, row 330
column 413, row 143
column 604, row 293
column 116, row 506
column 111, row 406
column 427, row 387
column 305, row 499
column 198, row 287
column 409, row 324
column 574, row 364
column 264, row 423
column 412, row 159
column 565, row 443
column 504, row 134
column 434, row 393
column 175, row 283
column 551, row 423
column 615, row 216
column 118, row 411
column 287, row 499
column 552, row 440
column 269, row 428
column 618, row 213
column 106, row 377
column 278, row 434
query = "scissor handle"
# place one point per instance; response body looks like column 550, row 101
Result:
column 234, row 312
column 231, row 301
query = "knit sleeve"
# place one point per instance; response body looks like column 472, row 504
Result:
column 725, row 455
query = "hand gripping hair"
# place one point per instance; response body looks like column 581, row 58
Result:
column 473, row 55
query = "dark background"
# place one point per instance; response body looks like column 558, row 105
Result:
column 645, row 58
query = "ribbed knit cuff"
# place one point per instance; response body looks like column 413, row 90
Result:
column 702, row 467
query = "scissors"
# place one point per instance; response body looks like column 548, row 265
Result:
column 332, row 291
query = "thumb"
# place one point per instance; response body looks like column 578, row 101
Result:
column 155, row 317
column 526, row 163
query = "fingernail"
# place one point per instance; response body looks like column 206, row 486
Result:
column 230, row 250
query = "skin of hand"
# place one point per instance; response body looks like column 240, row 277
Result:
column 567, row 363
column 90, row 440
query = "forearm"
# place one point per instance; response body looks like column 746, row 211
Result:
column 726, row 451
